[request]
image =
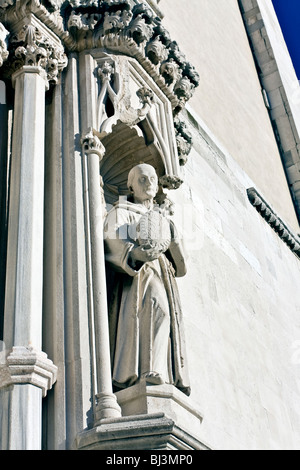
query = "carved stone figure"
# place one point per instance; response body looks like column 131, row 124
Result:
column 143, row 250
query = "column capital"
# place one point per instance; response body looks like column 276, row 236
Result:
column 29, row 366
column 91, row 144
column 35, row 48
column 32, row 45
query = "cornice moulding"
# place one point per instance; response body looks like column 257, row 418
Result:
column 120, row 26
column 263, row 208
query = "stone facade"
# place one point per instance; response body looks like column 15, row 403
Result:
column 89, row 89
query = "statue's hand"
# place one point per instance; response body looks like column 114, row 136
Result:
column 144, row 255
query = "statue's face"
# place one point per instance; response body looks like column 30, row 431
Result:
column 144, row 184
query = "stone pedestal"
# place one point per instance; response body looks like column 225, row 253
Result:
column 141, row 432
column 155, row 417
column 150, row 399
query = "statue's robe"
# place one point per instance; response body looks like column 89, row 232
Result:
column 145, row 316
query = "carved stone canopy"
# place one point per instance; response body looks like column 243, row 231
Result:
column 134, row 123
column 42, row 32
column 123, row 26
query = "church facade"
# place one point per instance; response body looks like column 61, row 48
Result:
column 150, row 207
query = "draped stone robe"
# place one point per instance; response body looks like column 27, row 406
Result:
column 146, row 330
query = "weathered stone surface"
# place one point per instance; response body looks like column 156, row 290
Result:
column 3, row 44
column 229, row 98
column 141, row 432
column 27, row 366
column 145, row 398
column 280, row 82
column 119, row 92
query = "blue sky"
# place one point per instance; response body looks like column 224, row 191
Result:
column 288, row 12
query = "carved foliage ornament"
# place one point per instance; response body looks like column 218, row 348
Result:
column 23, row 5
column 137, row 32
column 92, row 145
column 31, row 47
column 184, row 140
column 119, row 26
column 3, row 46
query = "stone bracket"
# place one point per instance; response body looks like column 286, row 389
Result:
column 28, row 366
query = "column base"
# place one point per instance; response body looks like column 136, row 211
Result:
column 154, row 417
column 141, row 432
column 107, row 408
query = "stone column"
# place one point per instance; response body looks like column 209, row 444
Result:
column 106, row 402
column 29, row 374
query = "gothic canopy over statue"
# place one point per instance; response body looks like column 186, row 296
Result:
column 125, row 26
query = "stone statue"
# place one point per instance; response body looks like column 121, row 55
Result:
column 147, row 338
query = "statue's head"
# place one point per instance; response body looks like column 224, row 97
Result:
column 143, row 182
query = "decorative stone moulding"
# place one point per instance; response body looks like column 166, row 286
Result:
column 28, row 366
column 92, row 144
column 125, row 27
column 140, row 432
column 131, row 112
column 33, row 45
column 262, row 207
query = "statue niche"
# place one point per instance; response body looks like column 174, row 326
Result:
column 144, row 253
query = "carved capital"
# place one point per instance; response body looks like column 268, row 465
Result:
column 31, row 47
column 28, row 366
column 91, row 144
